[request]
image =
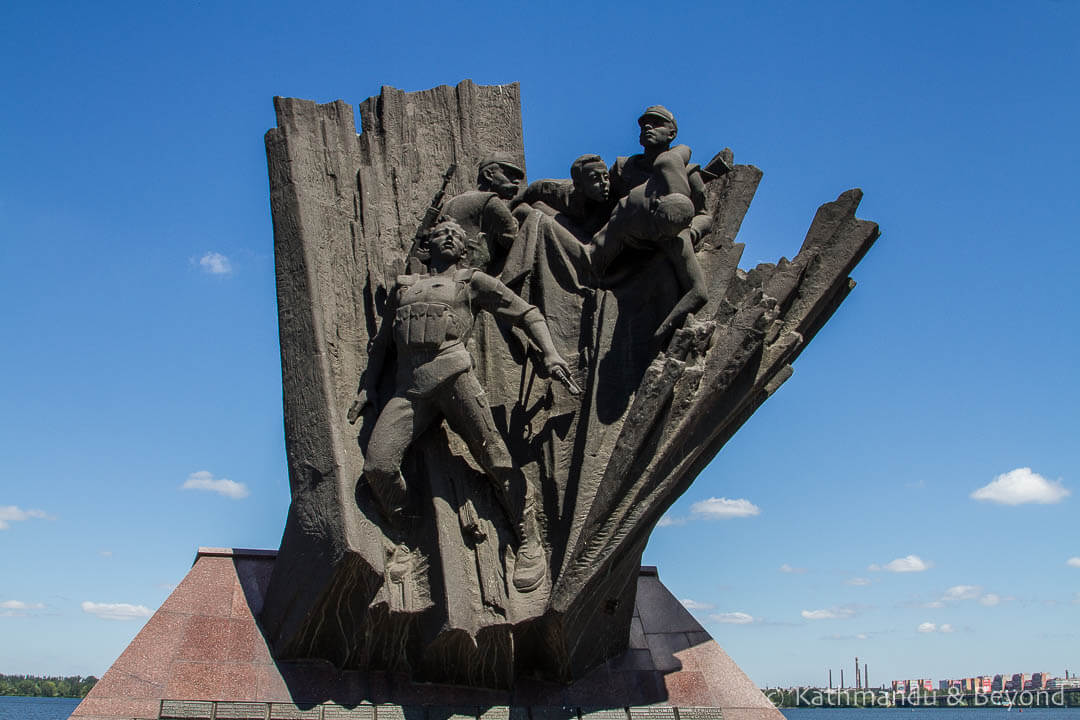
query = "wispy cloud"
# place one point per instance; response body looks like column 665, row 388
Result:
column 990, row 600
column 833, row 613
column 963, row 592
column 116, row 611
column 18, row 608
column 105, row 553
column 785, row 568
column 725, row 508
column 11, row 513
column 732, row 618
column 214, row 263
column 1022, row 486
column 929, row 627
column 205, row 480
column 909, row 563
column 695, row 605
column 1073, row 562
column 713, row 509
column 858, row 581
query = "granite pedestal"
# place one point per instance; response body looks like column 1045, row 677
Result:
column 202, row 656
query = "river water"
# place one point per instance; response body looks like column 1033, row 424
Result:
column 35, row 708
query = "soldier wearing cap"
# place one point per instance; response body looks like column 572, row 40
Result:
column 661, row 206
column 658, row 131
column 485, row 214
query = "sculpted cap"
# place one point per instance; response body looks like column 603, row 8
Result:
column 661, row 112
column 504, row 159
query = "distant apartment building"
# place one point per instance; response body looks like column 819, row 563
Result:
column 998, row 683
column 1016, row 682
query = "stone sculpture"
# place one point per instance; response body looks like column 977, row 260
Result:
column 429, row 317
column 476, row 544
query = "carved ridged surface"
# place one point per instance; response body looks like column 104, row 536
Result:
column 346, row 208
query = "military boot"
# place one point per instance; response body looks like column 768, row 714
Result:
column 530, row 564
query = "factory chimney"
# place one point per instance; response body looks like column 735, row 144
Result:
column 865, row 677
column 857, row 685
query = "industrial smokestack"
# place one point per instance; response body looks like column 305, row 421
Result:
column 841, row 678
column 830, row 678
column 865, row 677
column 857, row 685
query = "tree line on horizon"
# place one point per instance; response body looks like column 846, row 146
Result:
column 74, row 686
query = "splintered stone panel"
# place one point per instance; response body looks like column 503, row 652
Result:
column 186, row 710
column 700, row 713
column 652, row 712
column 553, row 712
column 288, row 711
column 588, row 713
column 447, row 712
column 340, row 712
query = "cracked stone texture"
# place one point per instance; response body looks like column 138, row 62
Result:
column 225, row 589
column 418, row 600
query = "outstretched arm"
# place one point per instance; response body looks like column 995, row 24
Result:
column 691, row 281
column 504, row 303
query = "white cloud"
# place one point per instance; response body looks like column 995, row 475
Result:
column 858, row 582
column 934, row 604
column 990, row 599
column 910, row 563
column 785, row 568
column 732, row 618
column 105, row 553
column 724, row 508
column 929, row 627
column 11, row 513
column 962, row 592
column 1021, row 486
column 204, row 480
column 1073, row 562
column 836, row 613
column 214, row 263
column 669, row 521
column 695, row 605
column 20, row 605
column 116, row 611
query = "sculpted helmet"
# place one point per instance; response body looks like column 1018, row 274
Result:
column 501, row 158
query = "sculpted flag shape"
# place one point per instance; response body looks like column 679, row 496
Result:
column 494, row 389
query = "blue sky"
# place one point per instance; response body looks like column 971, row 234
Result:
column 140, row 334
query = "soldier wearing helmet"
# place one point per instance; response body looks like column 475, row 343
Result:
column 485, row 214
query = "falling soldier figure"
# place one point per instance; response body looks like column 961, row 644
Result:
column 429, row 317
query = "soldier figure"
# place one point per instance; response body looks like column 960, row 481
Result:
column 661, row 206
column 582, row 204
column 428, row 318
column 484, row 213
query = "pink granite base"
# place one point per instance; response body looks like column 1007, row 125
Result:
column 204, row 644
